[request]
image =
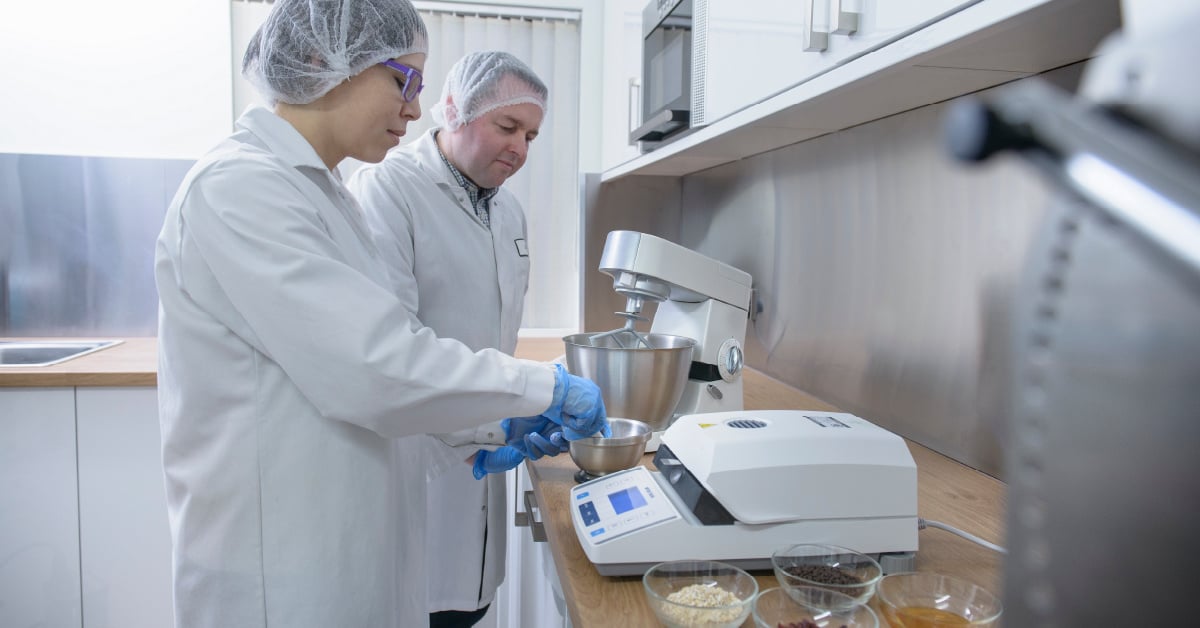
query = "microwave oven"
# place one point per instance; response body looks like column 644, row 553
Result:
column 704, row 59
column 667, row 59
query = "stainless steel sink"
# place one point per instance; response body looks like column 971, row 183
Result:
column 26, row 353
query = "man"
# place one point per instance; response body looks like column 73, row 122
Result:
column 454, row 241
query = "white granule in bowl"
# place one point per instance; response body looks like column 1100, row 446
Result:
column 707, row 597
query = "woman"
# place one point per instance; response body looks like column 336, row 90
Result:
column 286, row 363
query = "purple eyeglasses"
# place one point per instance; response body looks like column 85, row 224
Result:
column 413, row 81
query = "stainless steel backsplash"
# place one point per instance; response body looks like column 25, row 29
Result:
column 877, row 263
column 77, row 243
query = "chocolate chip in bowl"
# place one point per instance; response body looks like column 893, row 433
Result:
column 829, row 567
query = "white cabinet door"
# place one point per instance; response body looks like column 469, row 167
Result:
column 39, row 517
column 760, row 48
column 622, row 71
column 125, row 541
column 531, row 594
column 875, row 23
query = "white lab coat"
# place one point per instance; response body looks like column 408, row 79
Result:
column 467, row 282
column 287, row 366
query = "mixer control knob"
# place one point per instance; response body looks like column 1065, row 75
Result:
column 730, row 360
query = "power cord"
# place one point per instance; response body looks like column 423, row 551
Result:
column 926, row 523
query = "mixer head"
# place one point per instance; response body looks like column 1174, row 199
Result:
column 639, row 288
column 699, row 298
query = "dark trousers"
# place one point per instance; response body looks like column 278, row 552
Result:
column 456, row 619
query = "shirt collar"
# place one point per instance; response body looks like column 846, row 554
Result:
column 280, row 137
column 475, row 192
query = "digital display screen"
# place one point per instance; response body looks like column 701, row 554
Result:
column 626, row 500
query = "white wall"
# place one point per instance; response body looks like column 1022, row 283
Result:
column 120, row 78
column 147, row 78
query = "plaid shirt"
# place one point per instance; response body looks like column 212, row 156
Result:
column 478, row 196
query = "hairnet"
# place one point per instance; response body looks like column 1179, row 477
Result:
column 306, row 47
column 476, row 85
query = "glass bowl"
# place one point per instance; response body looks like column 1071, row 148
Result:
column 700, row 593
column 828, row 567
column 930, row 600
column 810, row 607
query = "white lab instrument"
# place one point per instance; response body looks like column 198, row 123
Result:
column 736, row 486
column 699, row 298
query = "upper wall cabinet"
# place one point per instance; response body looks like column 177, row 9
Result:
column 747, row 56
column 811, row 67
column 621, row 71
column 120, row 78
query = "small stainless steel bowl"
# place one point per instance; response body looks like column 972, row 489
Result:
column 598, row 455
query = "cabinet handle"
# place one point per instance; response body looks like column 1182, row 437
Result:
column 814, row 40
column 528, row 520
column 845, row 22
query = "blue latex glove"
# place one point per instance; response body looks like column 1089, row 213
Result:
column 577, row 406
column 497, row 461
column 535, row 436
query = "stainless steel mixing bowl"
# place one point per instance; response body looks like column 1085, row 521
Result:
column 598, row 455
column 636, row 382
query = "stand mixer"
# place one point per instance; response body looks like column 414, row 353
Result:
column 699, row 298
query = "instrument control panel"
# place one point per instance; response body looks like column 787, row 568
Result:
column 619, row 504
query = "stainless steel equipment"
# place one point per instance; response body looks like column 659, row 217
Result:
column 642, row 376
column 76, row 242
column 1102, row 399
column 699, row 298
column 692, row 49
column 736, row 486
column 666, row 94
column 598, row 455
column 27, row 353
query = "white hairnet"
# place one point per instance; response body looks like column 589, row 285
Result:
column 476, row 85
column 306, row 47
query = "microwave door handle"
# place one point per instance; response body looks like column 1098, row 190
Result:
column 635, row 100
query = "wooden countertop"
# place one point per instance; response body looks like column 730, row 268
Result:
column 947, row 491
column 134, row 362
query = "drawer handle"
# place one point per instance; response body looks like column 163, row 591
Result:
column 528, row 520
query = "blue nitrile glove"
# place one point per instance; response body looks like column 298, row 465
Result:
column 497, row 461
column 535, row 436
column 577, row 406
